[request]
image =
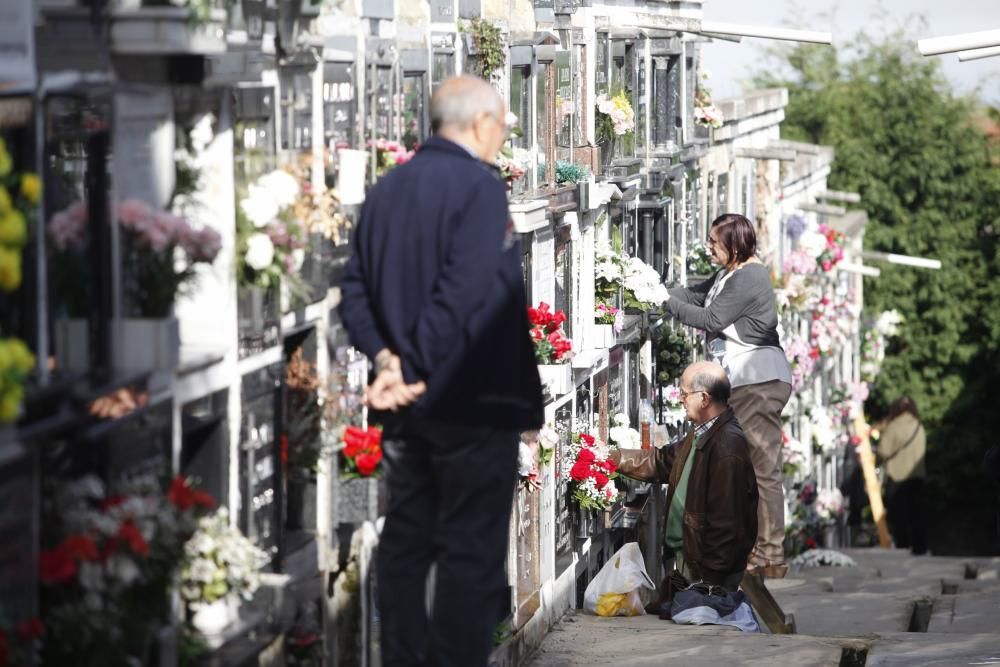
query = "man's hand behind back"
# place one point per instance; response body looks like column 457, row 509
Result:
column 389, row 391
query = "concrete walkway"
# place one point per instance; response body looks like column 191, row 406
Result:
column 893, row 609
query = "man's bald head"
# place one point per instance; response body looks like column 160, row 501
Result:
column 470, row 112
column 460, row 100
column 710, row 378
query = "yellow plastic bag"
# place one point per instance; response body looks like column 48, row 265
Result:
column 615, row 589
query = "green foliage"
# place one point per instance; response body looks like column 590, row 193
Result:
column 491, row 56
column 673, row 354
column 923, row 169
column 567, row 172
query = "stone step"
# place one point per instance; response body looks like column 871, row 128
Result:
column 934, row 650
column 646, row 640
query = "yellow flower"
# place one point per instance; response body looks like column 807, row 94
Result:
column 13, row 228
column 4, row 200
column 10, row 269
column 10, row 404
column 6, row 164
column 31, row 187
column 16, row 356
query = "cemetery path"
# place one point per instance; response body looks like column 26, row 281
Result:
column 892, row 609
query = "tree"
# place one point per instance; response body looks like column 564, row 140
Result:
column 924, row 172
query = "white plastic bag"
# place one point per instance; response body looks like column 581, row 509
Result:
column 615, row 589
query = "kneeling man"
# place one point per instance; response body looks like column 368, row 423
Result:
column 711, row 523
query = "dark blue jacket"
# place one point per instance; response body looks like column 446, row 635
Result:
column 435, row 276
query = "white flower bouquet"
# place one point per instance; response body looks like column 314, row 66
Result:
column 218, row 561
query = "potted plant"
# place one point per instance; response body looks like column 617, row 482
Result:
column 360, row 463
column 270, row 249
column 118, row 553
column 608, row 323
column 221, row 567
column 160, row 253
column 614, row 118
column 553, row 350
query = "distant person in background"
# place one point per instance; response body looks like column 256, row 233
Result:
column 736, row 310
column 902, row 447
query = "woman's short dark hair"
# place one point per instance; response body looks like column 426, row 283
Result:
column 901, row 405
column 737, row 236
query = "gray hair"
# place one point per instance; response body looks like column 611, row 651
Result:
column 713, row 382
column 460, row 100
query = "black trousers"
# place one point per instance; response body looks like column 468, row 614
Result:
column 451, row 489
column 905, row 507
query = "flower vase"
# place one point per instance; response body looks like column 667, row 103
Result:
column 146, row 344
column 357, row 500
column 72, row 344
column 211, row 619
column 259, row 320
column 604, row 336
column 607, row 152
column 557, row 377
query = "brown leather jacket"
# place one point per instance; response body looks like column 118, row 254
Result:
column 720, row 513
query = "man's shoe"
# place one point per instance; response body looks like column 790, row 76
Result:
column 772, row 569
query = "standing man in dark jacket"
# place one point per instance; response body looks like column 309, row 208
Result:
column 711, row 522
column 434, row 294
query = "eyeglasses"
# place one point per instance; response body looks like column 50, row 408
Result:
column 685, row 394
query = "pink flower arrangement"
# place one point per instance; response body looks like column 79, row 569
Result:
column 800, row 355
column 149, row 241
column 389, row 154
column 800, row 263
column 68, row 228
column 619, row 110
column 834, row 252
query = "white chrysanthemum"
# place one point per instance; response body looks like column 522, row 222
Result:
column 260, row 252
column 202, row 571
column 261, row 207
column 123, row 569
column 812, row 242
column 525, row 460
column 282, row 186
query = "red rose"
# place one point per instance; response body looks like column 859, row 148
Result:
column 587, row 438
column 366, row 464
column 33, row 628
column 601, row 479
column 354, row 441
column 580, row 471
column 183, row 497
column 374, row 436
column 111, row 501
column 586, row 455
column 609, row 466
column 814, row 353
column 131, row 535
column 79, row 547
column 55, row 566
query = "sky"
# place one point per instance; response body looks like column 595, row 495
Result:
column 731, row 65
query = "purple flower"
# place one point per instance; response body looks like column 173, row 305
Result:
column 794, row 226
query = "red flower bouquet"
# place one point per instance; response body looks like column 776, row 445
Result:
column 362, row 452
column 592, row 473
column 551, row 344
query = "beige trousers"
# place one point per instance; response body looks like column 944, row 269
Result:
column 758, row 407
